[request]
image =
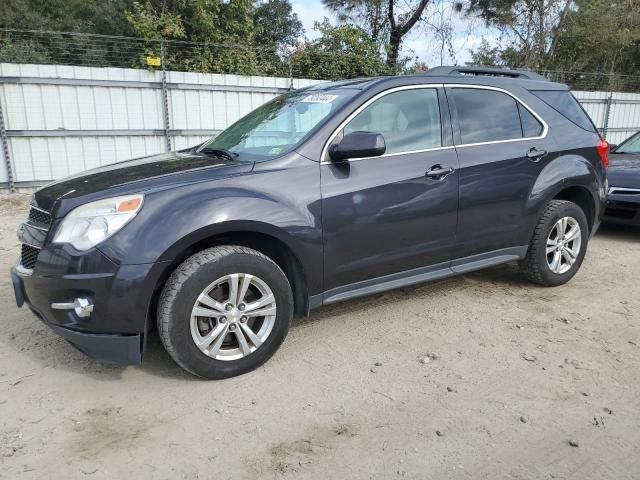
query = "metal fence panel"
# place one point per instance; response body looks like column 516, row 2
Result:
column 61, row 119
column 622, row 109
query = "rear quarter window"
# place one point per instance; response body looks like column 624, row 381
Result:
column 563, row 102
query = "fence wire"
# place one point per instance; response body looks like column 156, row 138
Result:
column 39, row 47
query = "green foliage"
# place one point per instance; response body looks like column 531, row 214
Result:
column 386, row 22
column 276, row 25
column 600, row 36
column 220, row 34
column 277, row 30
column 17, row 51
column 88, row 16
column 344, row 51
column 149, row 23
column 561, row 35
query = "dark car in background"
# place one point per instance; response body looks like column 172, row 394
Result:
column 623, row 199
column 321, row 195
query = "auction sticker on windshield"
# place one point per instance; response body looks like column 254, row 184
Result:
column 319, row 98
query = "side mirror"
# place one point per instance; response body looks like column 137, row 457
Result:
column 612, row 147
column 358, row 145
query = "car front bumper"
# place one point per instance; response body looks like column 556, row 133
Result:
column 114, row 331
column 623, row 206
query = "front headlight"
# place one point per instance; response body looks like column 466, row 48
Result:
column 88, row 225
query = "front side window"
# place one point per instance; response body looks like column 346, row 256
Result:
column 280, row 125
column 408, row 120
column 486, row 115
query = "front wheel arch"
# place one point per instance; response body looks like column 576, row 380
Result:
column 274, row 248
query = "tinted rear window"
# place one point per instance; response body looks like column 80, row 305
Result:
column 531, row 127
column 486, row 115
column 564, row 103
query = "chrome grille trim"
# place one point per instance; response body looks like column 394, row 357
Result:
column 40, row 221
column 623, row 191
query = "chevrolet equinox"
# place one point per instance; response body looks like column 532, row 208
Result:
column 321, row 195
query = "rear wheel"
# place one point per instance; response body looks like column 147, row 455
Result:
column 224, row 311
column 558, row 245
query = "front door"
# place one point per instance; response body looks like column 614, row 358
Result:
column 392, row 213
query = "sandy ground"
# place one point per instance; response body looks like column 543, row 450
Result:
column 480, row 376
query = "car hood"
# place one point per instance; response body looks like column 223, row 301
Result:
column 624, row 170
column 139, row 175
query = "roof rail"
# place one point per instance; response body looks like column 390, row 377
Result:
column 488, row 71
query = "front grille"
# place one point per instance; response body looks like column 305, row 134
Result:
column 29, row 256
column 39, row 217
column 39, row 220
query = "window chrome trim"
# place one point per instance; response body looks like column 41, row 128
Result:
column 545, row 127
column 384, row 93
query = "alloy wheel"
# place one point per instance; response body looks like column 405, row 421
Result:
column 233, row 316
column 563, row 245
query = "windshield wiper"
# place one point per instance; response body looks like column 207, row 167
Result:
column 219, row 152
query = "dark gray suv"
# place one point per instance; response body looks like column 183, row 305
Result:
column 320, row 195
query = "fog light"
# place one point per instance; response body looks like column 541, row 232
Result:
column 81, row 305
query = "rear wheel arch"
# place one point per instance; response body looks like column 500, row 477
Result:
column 582, row 197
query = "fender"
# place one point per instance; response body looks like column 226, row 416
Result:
column 561, row 173
column 272, row 201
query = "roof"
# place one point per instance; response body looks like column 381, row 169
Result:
column 454, row 74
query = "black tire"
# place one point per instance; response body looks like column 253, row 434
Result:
column 185, row 285
column 535, row 265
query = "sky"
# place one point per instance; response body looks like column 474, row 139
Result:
column 467, row 34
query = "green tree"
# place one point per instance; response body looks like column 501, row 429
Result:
column 276, row 25
column 88, row 16
column 219, row 34
column 387, row 22
column 614, row 46
column 277, row 30
column 343, row 51
column 564, row 36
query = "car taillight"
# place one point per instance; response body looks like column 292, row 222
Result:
column 603, row 150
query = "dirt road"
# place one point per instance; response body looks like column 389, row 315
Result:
column 480, row 376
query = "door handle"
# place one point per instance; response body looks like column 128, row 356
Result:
column 438, row 172
column 535, row 155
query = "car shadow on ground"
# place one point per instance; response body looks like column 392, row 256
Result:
column 619, row 232
column 54, row 352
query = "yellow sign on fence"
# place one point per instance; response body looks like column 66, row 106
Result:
column 153, row 61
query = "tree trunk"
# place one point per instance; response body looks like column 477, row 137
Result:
column 394, row 49
column 541, row 37
column 398, row 31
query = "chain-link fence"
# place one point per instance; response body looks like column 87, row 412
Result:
column 37, row 47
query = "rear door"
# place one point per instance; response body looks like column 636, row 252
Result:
column 383, row 215
column 502, row 146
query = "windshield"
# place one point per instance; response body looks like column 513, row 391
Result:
column 278, row 126
column 631, row 145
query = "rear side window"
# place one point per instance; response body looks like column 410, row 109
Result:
column 486, row 115
column 564, row 103
column 531, row 127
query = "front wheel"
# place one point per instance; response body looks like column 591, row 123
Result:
column 558, row 245
column 224, row 311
